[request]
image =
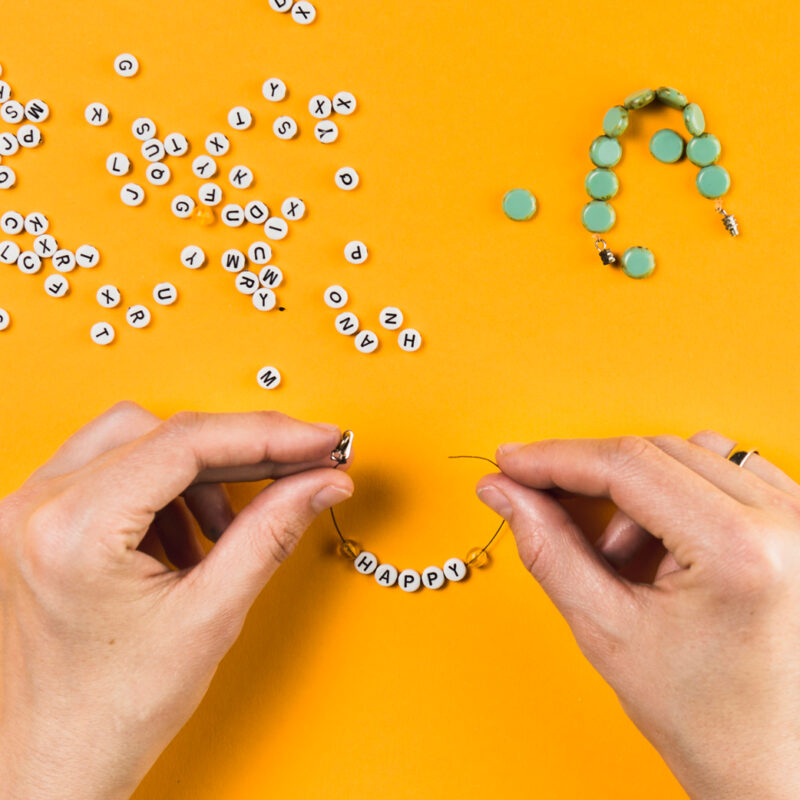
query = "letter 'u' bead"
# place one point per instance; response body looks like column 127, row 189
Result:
column 386, row 575
column 366, row 563
column 409, row 580
column 433, row 578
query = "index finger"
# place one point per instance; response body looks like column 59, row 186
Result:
column 674, row 503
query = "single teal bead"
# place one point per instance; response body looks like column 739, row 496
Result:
column 638, row 262
column 519, row 204
column 598, row 216
column 671, row 97
column 667, row 146
column 713, row 181
column 694, row 119
column 605, row 151
column 703, row 150
column 602, row 184
column 639, row 99
column 615, row 121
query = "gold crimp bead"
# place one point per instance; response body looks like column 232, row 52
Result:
column 349, row 549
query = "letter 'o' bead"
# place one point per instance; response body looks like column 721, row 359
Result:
column 638, row 262
column 671, row 97
column 713, row 181
column 615, row 122
column 605, row 151
column 348, row 548
column 366, row 563
column 703, row 150
column 433, row 578
column 409, row 580
column 386, row 575
column 694, row 119
column 602, row 184
column 477, row 557
column 639, row 99
column 598, row 216
column 666, row 146
column 455, row 569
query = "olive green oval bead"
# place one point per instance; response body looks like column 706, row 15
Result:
column 703, row 150
column 694, row 119
column 598, row 216
column 615, row 121
column 713, row 181
column 638, row 262
column 605, row 151
column 671, row 97
column 666, row 146
column 639, row 99
column 602, row 184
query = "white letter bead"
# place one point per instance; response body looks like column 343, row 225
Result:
column 409, row 580
column 346, row 178
column 36, row 223
column 274, row 89
column 366, row 341
column 109, row 296
column 7, row 177
column 37, row 110
column 264, row 299
column 5, row 91
column 96, row 114
column 303, row 12
column 102, row 333
column 64, row 260
column 240, row 118
column 259, row 253
column 204, row 167
column 118, row 164
column 5, row 319
column 335, row 296
column 12, row 223
column 256, row 212
column 87, row 256
column 432, row 578
column 182, row 206
column 193, row 257
column 391, row 318
column 270, row 276
column 241, row 177
column 326, row 132
column 344, row 103
column 346, row 323
column 153, row 150
column 246, row 282
column 12, row 112
column 386, row 575
column 56, row 285
column 176, row 144
column 234, row 261
column 143, row 129
column 9, row 252
column 293, row 208
column 138, row 316
column 409, row 340
column 165, row 294
column 217, row 144
column 356, row 252
column 29, row 135
column 233, row 215
column 276, row 228
column 158, row 173
column 126, row 65
column 268, row 378
column 284, row 128
column 210, row 194
column 455, row 569
column 132, row 194
column 28, row 262
column 45, row 246
column 320, row 106
column 366, row 563
column 8, row 144
column 281, row 5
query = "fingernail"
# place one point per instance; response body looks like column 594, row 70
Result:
column 496, row 500
column 327, row 426
column 327, row 497
column 509, row 447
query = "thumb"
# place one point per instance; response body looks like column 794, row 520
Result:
column 265, row 533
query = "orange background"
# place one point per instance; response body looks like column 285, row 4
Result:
column 337, row 688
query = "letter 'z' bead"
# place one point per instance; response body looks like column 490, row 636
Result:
column 386, row 575
column 638, row 262
column 713, row 181
column 519, row 204
column 409, row 580
column 366, row 563
column 598, row 216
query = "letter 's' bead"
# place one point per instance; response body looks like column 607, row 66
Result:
column 713, row 181
column 638, row 262
column 640, row 99
column 602, row 184
column 694, row 119
column 349, row 549
column 598, row 216
column 477, row 557
column 667, row 146
column 671, row 97
column 605, row 151
column 703, row 150
column 615, row 121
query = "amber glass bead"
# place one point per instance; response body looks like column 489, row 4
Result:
column 349, row 549
column 477, row 557
column 205, row 215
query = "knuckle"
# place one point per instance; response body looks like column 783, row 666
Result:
column 668, row 442
column 279, row 539
column 42, row 545
column 126, row 409
column 626, row 451
column 759, row 567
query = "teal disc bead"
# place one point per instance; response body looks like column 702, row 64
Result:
column 694, row 119
column 667, row 146
column 638, row 262
column 615, row 121
column 671, row 97
column 703, row 150
column 639, row 99
column 519, row 204
column 605, row 151
column 598, row 216
column 602, row 184
column 713, row 181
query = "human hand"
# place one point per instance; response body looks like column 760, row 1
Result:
column 706, row 658
column 106, row 650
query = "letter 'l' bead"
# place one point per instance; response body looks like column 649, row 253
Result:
column 366, row 563
column 386, row 575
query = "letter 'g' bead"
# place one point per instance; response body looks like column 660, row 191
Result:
column 638, row 262
column 703, row 150
column 455, row 569
column 640, row 99
column 386, row 575
column 615, row 122
column 605, row 151
column 598, row 216
column 409, row 580
column 433, row 578
column 602, row 184
column 713, row 181
column 366, row 563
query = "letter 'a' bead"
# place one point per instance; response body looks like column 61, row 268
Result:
column 703, row 150
column 366, row 563
column 640, row 99
column 477, row 557
column 598, row 216
column 602, row 184
column 433, row 578
column 409, row 580
column 671, row 97
column 605, row 151
column 455, row 569
column 386, row 575
column 615, row 122
column 349, row 549
column 638, row 262
column 694, row 119
column 713, row 181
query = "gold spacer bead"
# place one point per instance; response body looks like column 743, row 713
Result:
column 349, row 549
column 477, row 557
column 205, row 216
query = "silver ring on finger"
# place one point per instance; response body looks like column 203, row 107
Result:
column 740, row 457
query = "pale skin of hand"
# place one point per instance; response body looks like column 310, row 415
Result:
column 705, row 658
column 107, row 651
